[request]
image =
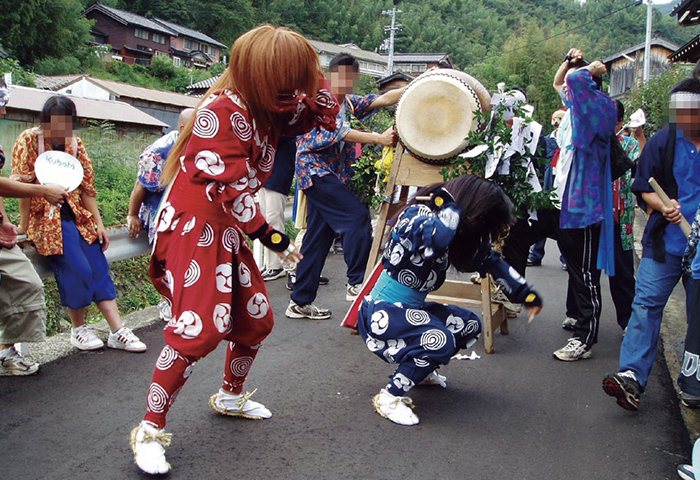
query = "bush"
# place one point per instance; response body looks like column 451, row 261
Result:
column 58, row 66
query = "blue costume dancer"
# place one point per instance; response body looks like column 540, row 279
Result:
column 397, row 323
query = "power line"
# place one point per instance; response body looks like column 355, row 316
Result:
column 565, row 31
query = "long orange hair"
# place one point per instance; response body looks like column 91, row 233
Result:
column 265, row 62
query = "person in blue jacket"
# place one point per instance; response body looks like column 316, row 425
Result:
column 398, row 325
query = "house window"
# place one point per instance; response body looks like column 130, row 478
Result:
column 158, row 53
column 139, row 33
column 419, row 67
column 177, row 61
column 190, row 45
column 158, row 38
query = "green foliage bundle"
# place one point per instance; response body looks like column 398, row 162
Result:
column 653, row 98
column 515, row 184
column 20, row 76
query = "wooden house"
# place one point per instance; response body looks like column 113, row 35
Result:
column 626, row 67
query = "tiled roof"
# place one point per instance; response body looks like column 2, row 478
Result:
column 128, row 18
column 121, row 90
column 188, row 32
column 33, row 99
column 418, row 57
column 350, row 48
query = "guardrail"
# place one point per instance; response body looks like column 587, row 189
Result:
column 121, row 247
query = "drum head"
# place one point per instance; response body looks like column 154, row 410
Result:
column 436, row 114
column 59, row 168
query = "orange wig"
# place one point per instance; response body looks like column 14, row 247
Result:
column 267, row 64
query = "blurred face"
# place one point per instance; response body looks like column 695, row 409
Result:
column 61, row 126
column 688, row 119
column 343, row 79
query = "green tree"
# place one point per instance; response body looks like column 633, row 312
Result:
column 35, row 29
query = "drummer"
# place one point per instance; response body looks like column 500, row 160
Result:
column 323, row 170
column 73, row 238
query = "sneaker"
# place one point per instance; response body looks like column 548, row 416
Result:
column 686, row 472
column 352, row 292
column 572, row 351
column 435, row 379
column 165, row 312
column 625, row 387
column 83, row 338
column 124, row 339
column 148, row 444
column 273, row 274
column 689, row 400
column 534, row 263
column 397, row 409
column 569, row 323
column 292, row 277
column 309, row 311
column 564, row 267
column 13, row 363
column 238, row 405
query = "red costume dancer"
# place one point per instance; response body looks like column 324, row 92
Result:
column 201, row 263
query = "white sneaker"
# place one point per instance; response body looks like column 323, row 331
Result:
column 83, row 338
column 352, row 291
column 148, row 444
column 572, row 351
column 13, row 363
column 435, row 379
column 239, row 405
column 397, row 409
column 124, row 339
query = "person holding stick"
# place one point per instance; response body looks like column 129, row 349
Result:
column 671, row 158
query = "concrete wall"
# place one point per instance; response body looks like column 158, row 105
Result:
column 85, row 89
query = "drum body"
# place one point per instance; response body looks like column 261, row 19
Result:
column 436, row 113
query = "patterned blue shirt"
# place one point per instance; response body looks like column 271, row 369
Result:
column 321, row 152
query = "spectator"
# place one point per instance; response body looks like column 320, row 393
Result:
column 273, row 200
column 671, row 157
column 147, row 191
column 584, row 186
column 22, row 305
column 536, row 255
column 74, row 240
column 200, row 260
column 323, row 170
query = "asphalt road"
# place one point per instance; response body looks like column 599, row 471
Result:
column 518, row 414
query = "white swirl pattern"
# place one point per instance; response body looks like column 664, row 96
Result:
column 206, row 124
column 417, row 317
column 207, row 236
column 433, row 339
column 157, row 398
column 192, row 274
column 167, row 358
column 241, row 127
column 241, row 366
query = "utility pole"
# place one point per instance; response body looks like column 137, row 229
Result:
column 647, row 45
column 392, row 30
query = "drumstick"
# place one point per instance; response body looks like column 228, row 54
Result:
column 685, row 226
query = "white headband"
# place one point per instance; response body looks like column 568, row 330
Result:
column 684, row 100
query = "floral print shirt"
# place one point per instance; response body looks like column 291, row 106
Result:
column 151, row 164
column 44, row 227
column 321, row 152
column 623, row 198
